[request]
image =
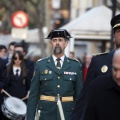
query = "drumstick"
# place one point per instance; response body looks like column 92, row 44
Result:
column 24, row 98
column 6, row 93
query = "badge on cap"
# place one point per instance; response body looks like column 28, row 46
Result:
column 104, row 69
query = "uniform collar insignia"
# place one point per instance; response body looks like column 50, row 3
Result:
column 68, row 61
column 48, row 60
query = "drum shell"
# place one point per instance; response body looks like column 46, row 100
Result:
column 9, row 113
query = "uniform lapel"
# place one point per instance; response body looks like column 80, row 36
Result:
column 51, row 64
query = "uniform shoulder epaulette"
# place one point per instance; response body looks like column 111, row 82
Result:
column 42, row 59
column 74, row 59
column 100, row 54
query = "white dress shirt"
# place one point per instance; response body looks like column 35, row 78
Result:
column 61, row 61
column 15, row 68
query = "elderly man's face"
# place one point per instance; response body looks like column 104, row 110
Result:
column 116, row 69
column 58, row 45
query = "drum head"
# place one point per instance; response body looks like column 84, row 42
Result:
column 16, row 105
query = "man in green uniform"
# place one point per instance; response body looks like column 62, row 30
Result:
column 55, row 77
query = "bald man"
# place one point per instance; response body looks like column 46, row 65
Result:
column 103, row 97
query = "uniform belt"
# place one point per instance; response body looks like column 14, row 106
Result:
column 55, row 98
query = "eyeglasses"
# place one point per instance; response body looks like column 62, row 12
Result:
column 15, row 58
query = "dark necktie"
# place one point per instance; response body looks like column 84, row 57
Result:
column 16, row 75
column 58, row 63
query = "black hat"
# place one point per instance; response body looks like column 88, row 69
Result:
column 59, row 33
column 115, row 22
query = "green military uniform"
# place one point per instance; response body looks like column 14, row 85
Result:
column 50, row 81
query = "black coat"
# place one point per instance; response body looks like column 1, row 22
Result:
column 3, row 77
column 3, row 81
column 3, row 73
column 18, row 88
column 102, row 100
column 94, row 71
column 30, row 65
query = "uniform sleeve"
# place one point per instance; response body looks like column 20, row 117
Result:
column 79, row 82
column 34, row 94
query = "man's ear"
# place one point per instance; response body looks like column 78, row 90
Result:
column 50, row 43
column 66, row 43
column 113, row 38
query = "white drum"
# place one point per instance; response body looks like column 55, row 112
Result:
column 14, row 108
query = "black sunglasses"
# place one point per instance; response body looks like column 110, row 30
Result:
column 15, row 58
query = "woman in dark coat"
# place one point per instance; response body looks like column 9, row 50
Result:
column 18, row 77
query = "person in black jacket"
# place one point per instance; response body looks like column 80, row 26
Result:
column 3, row 81
column 28, row 63
column 18, row 76
column 18, row 84
column 103, row 98
column 10, row 52
column 101, row 65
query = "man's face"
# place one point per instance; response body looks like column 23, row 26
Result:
column 88, row 59
column 19, row 49
column 58, row 45
column 116, row 69
column 117, row 38
column 3, row 53
column 11, row 49
column 71, row 55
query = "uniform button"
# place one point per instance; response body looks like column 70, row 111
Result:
column 58, row 77
column 45, row 78
column 58, row 94
column 70, row 78
column 58, row 86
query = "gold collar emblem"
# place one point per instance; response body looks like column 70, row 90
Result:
column 104, row 69
column 46, row 72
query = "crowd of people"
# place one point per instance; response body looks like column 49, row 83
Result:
column 99, row 97
column 61, row 87
column 16, row 72
column 19, row 72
